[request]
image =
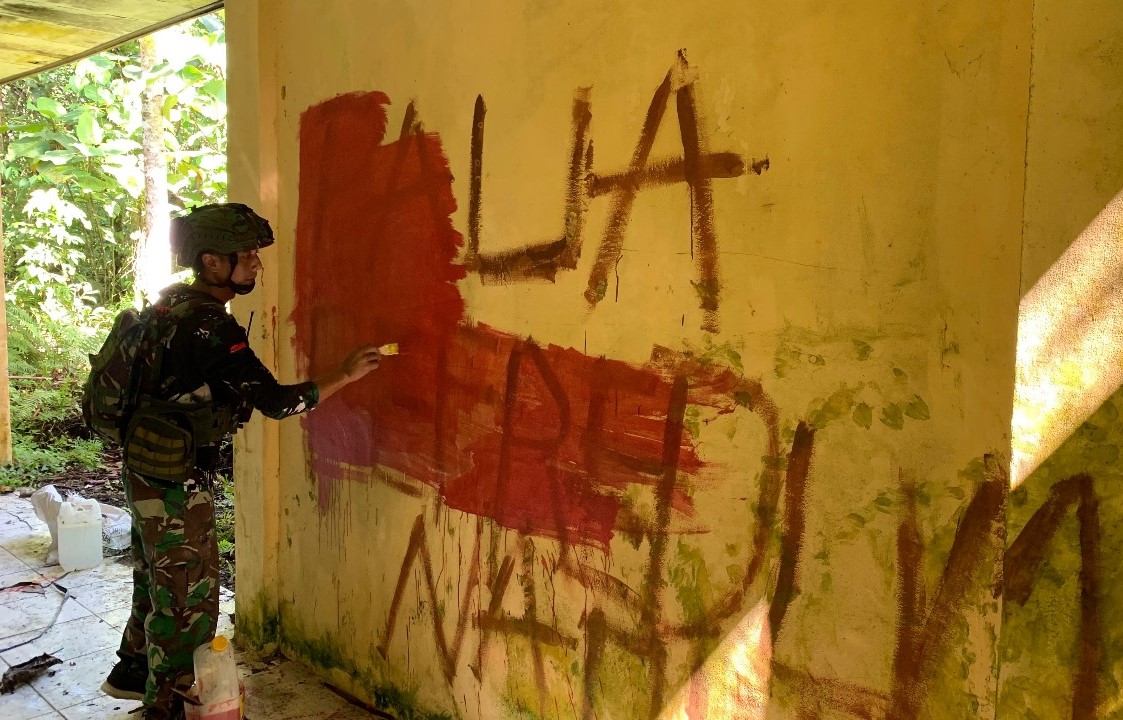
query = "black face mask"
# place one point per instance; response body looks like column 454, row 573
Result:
column 241, row 288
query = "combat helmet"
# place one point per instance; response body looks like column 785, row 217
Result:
column 222, row 228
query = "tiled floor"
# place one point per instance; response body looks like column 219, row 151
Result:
column 88, row 630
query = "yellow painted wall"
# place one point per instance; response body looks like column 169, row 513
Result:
column 870, row 285
column 1064, row 515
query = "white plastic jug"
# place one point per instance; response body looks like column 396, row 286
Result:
column 216, row 674
column 79, row 535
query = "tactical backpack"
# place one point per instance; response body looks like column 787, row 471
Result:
column 158, row 437
column 109, row 393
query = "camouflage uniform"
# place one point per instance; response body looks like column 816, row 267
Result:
column 175, row 577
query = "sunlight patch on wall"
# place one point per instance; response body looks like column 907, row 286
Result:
column 1070, row 342
column 734, row 680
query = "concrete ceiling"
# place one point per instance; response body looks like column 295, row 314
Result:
column 40, row 34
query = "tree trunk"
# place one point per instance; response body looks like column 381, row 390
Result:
column 153, row 258
column 5, row 397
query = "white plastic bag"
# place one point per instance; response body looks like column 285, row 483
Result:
column 47, row 502
column 116, row 530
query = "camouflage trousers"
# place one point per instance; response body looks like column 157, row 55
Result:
column 175, row 582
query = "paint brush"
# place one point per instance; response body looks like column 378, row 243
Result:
column 388, row 349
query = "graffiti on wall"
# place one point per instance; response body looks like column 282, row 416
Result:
column 697, row 168
column 547, row 443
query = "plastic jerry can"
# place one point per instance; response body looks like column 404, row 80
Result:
column 217, row 686
column 79, row 535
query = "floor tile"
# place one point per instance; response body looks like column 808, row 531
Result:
column 289, row 692
column 23, row 520
column 32, row 549
column 87, row 634
column 104, row 594
column 65, row 641
column 9, row 563
column 26, row 574
column 102, row 708
column 109, row 570
column 24, row 703
column 118, row 617
column 76, row 681
column 34, row 612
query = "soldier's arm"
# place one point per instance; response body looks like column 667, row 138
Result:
column 225, row 356
column 232, row 362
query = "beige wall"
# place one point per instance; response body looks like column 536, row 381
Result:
column 870, row 282
column 1064, row 515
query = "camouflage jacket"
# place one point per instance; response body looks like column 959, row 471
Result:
column 207, row 358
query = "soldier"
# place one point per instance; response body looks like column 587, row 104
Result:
column 199, row 371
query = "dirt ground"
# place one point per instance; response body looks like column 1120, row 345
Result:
column 104, row 485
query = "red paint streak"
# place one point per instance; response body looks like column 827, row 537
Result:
column 540, row 439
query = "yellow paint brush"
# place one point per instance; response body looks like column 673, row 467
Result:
column 388, row 349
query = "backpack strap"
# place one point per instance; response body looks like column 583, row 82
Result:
column 136, row 371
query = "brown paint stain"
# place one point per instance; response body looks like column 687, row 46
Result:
column 475, row 177
column 537, row 261
column 652, row 594
column 498, row 590
column 818, row 691
column 448, row 656
column 1023, row 560
column 1090, row 650
column 759, row 166
column 795, row 520
column 978, row 529
column 416, row 537
column 534, row 630
column 703, row 237
column 910, row 587
column 596, row 639
column 668, row 171
column 529, row 624
column 613, row 242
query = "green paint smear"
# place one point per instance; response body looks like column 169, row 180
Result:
column 917, row 409
column 863, row 415
column 840, row 403
column 262, row 623
column 892, row 416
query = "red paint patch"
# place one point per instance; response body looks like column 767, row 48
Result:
column 543, row 440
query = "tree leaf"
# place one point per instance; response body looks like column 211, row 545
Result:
column 88, row 130
column 216, row 88
column 28, row 147
column 191, row 74
column 120, row 146
column 49, row 107
column 88, row 181
column 58, row 157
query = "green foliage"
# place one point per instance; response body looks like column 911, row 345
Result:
column 74, row 212
column 47, row 359
column 224, row 522
column 73, row 176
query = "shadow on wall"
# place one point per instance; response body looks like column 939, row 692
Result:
column 1061, row 645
